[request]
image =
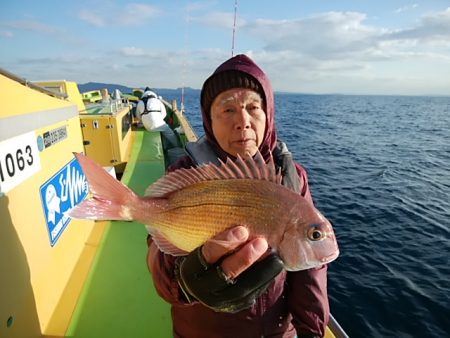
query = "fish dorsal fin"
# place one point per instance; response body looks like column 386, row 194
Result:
column 243, row 168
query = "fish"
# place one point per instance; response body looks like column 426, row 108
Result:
column 187, row 207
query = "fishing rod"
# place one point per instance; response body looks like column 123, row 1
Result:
column 185, row 56
column 234, row 28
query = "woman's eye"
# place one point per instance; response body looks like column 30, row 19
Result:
column 253, row 108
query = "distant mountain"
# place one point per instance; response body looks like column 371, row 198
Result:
column 166, row 93
column 86, row 87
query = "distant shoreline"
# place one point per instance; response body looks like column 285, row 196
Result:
column 85, row 87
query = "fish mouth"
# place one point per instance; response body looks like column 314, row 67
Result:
column 330, row 258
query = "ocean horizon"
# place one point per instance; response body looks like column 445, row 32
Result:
column 175, row 93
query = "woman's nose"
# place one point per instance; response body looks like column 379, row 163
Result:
column 242, row 119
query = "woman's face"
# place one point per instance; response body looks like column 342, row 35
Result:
column 238, row 121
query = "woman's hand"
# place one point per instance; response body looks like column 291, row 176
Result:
column 226, row 273
column 239, row 254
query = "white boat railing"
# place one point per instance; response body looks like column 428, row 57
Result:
column 337, row 330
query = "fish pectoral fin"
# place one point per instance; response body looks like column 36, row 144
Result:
column 163, row 243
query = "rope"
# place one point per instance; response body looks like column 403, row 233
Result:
column 234, row 28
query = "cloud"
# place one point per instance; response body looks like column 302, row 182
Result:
column 6, row 34
column 54, row 67
column 406, row 8
column 321, row 50
column 76, row 61
column 134, row 14
column 323, row 36
column 39, row 28
column 430, row 29
column 90, row 17
column 196, row 6
column 33, row 26
column 326, row 52
column 137, row 14
column 132, row 51
column 221, row 20
column 335, row 36
column 142, row 53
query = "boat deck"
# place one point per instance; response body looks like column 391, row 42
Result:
column 118, row 298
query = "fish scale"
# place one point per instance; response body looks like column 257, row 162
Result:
column 198, row 214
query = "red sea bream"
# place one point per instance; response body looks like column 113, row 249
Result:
column 186, row 207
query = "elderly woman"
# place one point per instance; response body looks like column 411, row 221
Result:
column 238, row 118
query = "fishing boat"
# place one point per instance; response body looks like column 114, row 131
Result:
column 62, row 277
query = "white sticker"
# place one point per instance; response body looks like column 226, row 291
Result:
column 67, row 188
column 54, row 136
column 19, row 160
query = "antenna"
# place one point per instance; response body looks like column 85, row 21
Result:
column 234, row 28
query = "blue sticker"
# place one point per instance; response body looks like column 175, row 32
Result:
column 67, row 188
column 40, row 143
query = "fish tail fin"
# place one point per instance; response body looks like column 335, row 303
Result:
column 111, row 199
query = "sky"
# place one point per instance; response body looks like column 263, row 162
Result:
column 383, row 47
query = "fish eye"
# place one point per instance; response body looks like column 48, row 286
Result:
column 314, row 233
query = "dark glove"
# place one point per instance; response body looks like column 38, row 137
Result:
column 209, row 285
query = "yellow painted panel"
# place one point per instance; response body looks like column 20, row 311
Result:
column 97, row 138
column 63, row 311
column 107, row 137
column 17, row 99
column 49, row 267
column 35, row 275
column 65, row 87
column 329, row 333
column 122, row 131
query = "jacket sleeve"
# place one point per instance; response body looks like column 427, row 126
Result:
column 307, row 289
column 162, row 269
column 304, row 186
column 140, row 108
column 163, row 110
column 308, row 301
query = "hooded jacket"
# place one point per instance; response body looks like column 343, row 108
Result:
column 151, row 111
column 295, row 302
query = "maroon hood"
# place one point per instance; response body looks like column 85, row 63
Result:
column 244, row 64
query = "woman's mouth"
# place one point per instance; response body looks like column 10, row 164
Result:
column 244, row 141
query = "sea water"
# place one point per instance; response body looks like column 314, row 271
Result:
column 379, row 169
